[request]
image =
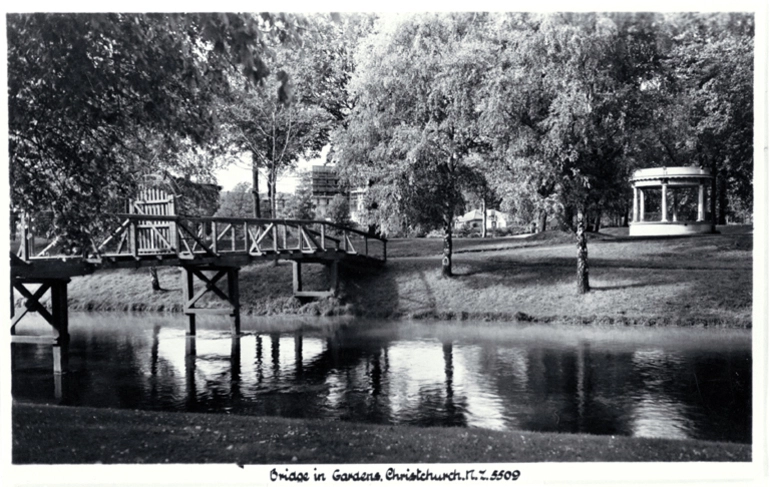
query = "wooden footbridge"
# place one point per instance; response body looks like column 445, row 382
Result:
column 209, row 250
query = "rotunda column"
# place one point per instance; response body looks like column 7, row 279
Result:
column 635, row 217
column 674, row 207
column 701, row 202
column 663, row 203
column 641, row 205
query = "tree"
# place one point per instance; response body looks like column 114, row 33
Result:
column 236, row 203
column 338, row 210
column 96, row 100
column 329, row 63
column 569, row 89
column 275, row 125
column 712, row 63
column 414, row 123
column 301, row 205
column 699, row 105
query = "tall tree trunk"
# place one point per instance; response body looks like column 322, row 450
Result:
column 255, row 186
column 582, row 254
column 568, row 215
column 542, row 221
column 624, row 219
column 155, row 281
column 446, row 260
column 722, row 198
column 713, row 196
column 271, row 191
column 483, row 218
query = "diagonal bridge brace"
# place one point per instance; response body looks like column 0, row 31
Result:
column 211, row 284
column 32, row 303
column 57, row 317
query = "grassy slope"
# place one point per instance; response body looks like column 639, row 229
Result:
column 693, row 280
column 54, row 434
column 689, row 280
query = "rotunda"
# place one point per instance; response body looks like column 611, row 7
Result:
column 670, row 201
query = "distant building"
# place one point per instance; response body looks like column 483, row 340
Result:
column 324, row 185
column 475, row 219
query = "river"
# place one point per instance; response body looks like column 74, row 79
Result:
column 644, row 382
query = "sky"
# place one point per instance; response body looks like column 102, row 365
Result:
column 240, row 171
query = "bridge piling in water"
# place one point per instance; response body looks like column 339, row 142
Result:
column 57, row 317
column 191, row 297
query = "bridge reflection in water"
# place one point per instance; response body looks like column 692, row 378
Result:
column 646, row 389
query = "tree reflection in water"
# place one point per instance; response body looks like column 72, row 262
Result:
column 666, row 390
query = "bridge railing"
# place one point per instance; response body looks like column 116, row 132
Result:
column 189, row 237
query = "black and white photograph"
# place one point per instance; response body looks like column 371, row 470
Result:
column 456, row 244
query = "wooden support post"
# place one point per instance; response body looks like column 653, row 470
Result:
column 190, row 348
column 24, row 226
column 173, row 232
column 298, row 353
column 235, row 300
column 333, row 276
column 210, row 285
column 58, row 387
column 57, row 317
column 235, row 361
column 297, row 274
column 60, row 359
column 323, row 237
column 188, row 291
column 189, row 371
column 133, row 240
column 214, row 235
column 59, row 311
column 275, row 239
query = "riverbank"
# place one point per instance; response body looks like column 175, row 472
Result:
column 76, row 435
column 691, row 281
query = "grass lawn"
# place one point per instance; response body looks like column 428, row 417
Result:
column 55, row 434
column 698, row 280
column 694, row 280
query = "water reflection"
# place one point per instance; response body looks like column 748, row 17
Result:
column 386, row 377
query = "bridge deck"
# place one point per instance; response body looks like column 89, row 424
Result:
column 157, row 240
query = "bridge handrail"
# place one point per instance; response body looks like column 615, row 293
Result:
column 233, row 220
column 188, row 231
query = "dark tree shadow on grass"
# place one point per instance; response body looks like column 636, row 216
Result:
column 369, row 292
